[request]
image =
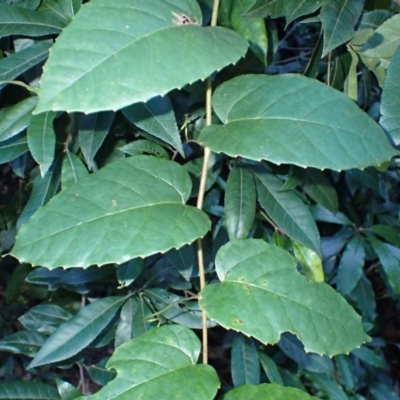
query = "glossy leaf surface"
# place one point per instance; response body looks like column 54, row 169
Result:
column 135, row 40
column 76, row 333
column 138, row 204
column 262, row 295
column 160, row 364
column 267, row 391
column 294, row 119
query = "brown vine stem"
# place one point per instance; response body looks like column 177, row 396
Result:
column 202, row 189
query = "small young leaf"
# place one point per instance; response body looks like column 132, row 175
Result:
column 245, row 366
column 310, row 262
column 240, row 203
column 270, row 368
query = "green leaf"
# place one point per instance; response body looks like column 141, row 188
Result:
column 385, row 41
column 363, row 296
column 93, row 129
column 146, row 38
column 44, row 318
column 327, row 385
column 294, row 349
column 140, row 210
column 23, row 342
column 16, row 118
column 129, row 271
column 351, row 265
column 99, row 374
column 21, row 21
column 265, row 8
column 322, row 214
column 347, row 372
column 245, row 366
column 17, row 63
column 27, row 391
column 295, row 120
column 144, row 147
column 133, row 322
column 320, row 189
column 369, row 357
column 177, row 308
column 262, row 295
column 310, row 262
column 267, row 391
column 390, row 104
column 12, row 148
column 67, row 391
column 43, row 190
column 73, row 170
column 157, row 118
column 42, row 140
column 389, row 256
column 270, row 368
column 183, row 260
column 62, row 9
column 31, row 4
column 297, row 8
column 388, row 233
column 286, row 210
column 161, row 362
column 252, row 29
column 240, row 202
column 77, row 333
column 338, row 18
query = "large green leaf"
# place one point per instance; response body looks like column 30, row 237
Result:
column 157, row 118
column 21, row 21
column 19, row 62
column 42, row 140
column 22, row 390
column 261, row 294
column 338, row 18
column 286, row 210
column 270, row 391
column 114, row 54
column 294, row 119
column 137, row 204
column 390, row 105
column 79, row 331
column 240, row 203
column 160, row 365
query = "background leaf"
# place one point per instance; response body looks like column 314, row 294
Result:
column 253, row 274
column 157, row 118
column 76, row 333
column 245, row 366
column 240, row 202
column 390, row 119
column 141, row 195
column 145, row 40
column 286, row 210
column 294, row 119
column 29, row 391
column 42, row 140
column 21, row 21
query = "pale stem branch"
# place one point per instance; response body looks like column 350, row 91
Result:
column 200, row 197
